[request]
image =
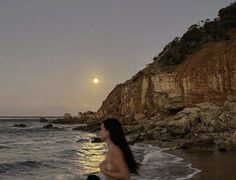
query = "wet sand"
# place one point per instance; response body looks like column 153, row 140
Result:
column 214, row 165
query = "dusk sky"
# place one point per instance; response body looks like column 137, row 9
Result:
column 51, row 50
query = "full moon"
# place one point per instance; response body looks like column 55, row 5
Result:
column 95, row 81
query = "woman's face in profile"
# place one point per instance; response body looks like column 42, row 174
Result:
column 104, row 134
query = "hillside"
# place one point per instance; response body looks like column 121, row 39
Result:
column 176, row 80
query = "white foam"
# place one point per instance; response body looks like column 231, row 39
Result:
column 159, row 165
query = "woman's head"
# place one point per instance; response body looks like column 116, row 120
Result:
column 104, row 133
column 111, row 128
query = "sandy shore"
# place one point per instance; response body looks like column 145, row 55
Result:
column 214, row 165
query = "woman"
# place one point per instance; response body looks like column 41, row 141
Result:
column 119, row 162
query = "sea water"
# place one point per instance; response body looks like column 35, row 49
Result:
column 33, row 152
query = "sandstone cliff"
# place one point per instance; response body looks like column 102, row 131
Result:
column 208, row 75
column 187, row 96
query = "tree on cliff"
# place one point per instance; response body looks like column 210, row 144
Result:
column 212, row 31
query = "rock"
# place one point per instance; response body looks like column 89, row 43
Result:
column 208, row 113
column 225, row 145
column 48, row 126
column 183, row 122
column 139, row 116
column 204, row 129
column 129, row 119
column 179, row 127
column 173, row 104
column 60, row 121
column 20, row 125
column 225, row 142
column 80, row 114
column 132, row 129
column 231, row 98
column 92, row 127
column 90, row 115
column 189, row 111
column 224, row 120
column 135, row 138
column 43, row 119
column 234, row 136
column 72, row 120
column 200, row 143
column 67, row 116
column 81, row 118
column 66, row 119
column 146, row 135
column 228, row 116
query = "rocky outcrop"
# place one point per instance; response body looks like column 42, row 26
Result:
column 92, row 126
column 186, row 105
column 88, row 121
column 87, row 117
column 190, row 105
column 42, row 119
column 48, row 126
column 20, row 125
column 208, row 75
column 203, row 126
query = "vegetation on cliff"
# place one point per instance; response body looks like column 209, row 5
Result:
column 211, row 31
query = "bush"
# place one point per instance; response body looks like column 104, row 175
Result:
column 217, row 30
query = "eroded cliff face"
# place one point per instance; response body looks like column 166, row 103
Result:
column 208, row 75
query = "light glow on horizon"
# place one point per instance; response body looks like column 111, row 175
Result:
column 95, row 80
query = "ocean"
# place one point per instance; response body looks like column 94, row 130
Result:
column 33, row 152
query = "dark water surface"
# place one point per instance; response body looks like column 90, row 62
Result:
column 63, row 154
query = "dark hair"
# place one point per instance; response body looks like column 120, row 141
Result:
column 93, row 177
column 118, row 138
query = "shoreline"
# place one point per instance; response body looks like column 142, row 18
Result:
column 213, row 164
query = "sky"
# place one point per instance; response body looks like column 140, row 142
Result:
column 51, row 50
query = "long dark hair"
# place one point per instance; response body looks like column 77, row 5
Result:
column 118, row 138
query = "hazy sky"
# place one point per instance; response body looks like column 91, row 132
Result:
column 50, row 50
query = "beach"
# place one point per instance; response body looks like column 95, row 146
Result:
column 214, row 165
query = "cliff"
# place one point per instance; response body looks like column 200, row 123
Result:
column 208, row 75
column 187, row 96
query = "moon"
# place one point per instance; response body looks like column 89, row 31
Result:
column 95, row 80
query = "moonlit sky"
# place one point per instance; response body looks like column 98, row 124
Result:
column 51, row 50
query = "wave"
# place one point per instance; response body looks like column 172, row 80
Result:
column 16, row 130
column 4, row 147
column 68, row 153
column 159, row 165
column 159, row 157
column 20, row 166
